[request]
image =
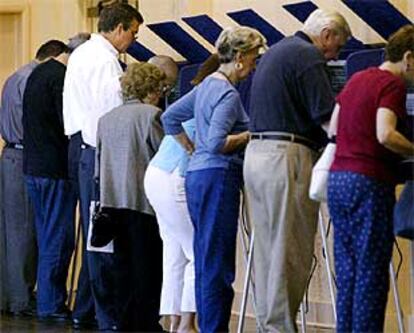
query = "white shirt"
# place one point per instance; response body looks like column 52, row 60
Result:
column 91, row 88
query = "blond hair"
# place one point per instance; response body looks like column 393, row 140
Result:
column 141, row 79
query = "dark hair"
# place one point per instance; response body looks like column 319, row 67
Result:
column 111, row 16
column 51, row 48
column 399, row 43
column 206, row 68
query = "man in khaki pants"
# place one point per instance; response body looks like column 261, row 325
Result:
column 291, row 101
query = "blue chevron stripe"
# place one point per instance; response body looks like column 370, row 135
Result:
column 205, row 26
column 381, row 15
column 139, row 52
column 301, row 10
column 250, row 18
column 180, row 41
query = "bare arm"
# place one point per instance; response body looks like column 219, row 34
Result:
column 2, row 144
column 235, row 142
column 333, row 123
column 388, row 136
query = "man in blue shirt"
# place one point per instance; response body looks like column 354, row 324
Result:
column 18, row 251
column 291, row 101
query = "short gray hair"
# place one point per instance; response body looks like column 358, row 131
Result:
column 238, row 39
column 321, row 19
column 77, row 40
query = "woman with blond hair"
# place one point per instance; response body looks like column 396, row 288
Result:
column 214, row 176
column 127, row 139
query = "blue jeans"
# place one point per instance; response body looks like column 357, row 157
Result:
column 53, row 201
column 361, row 209
column 84, row 308
column 213, row 197
column 100, row 265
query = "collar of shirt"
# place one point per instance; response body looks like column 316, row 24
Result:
column 133, row 101
column 303, row 36
column 98, row 38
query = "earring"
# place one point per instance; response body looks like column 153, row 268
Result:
column 238, row 66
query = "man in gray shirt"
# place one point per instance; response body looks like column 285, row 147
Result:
column 18, row 252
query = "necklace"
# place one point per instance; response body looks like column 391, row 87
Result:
column 226, row 76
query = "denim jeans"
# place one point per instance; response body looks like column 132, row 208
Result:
column 53, row 201
column 84, row 308
column 213, row 197
column 100, row 265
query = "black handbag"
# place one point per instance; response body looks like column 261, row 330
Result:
column 103, row 227
column 404, row 212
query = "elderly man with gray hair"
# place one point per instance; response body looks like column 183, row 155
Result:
column 291, row 104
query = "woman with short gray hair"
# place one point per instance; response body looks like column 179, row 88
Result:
column 214, row 177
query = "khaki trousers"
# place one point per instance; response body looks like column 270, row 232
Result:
column 277, row 176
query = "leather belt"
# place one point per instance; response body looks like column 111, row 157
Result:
column 285, row 137
column 13, row 145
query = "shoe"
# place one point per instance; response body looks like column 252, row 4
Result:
column 57, row 317
column 79, row 324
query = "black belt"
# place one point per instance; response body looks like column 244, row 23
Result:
column 286, row 137
column 14, row 145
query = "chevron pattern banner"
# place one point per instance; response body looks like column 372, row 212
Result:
column 191, row 38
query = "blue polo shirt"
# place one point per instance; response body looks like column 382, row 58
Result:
column 291, row 91
column 218, row 111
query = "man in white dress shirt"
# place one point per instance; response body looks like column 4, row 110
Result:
column 91, row 89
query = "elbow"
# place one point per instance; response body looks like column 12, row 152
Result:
column 216, row 146
column 164, row 119
column 384, row 137
column 169, row 126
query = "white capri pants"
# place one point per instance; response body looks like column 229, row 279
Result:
column 166, row 193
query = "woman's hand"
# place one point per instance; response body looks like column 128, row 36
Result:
column 236, row 142
column 185, row 142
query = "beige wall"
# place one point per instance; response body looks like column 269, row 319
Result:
column 26, row 24
column 55, row 19
column 11, row 32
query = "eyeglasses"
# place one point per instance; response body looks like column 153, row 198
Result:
column 167, row 89
column 134, row 33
